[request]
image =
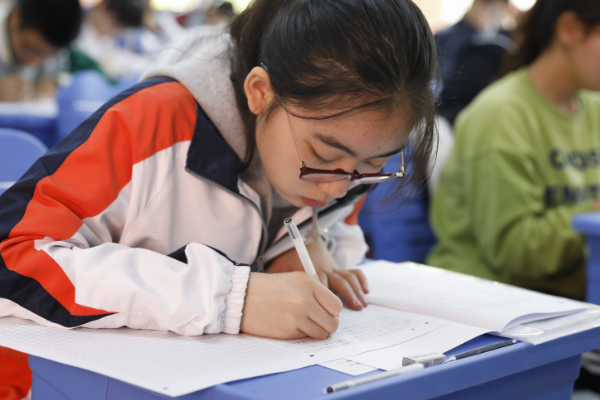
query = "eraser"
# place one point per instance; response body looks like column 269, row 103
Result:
column 428, row 360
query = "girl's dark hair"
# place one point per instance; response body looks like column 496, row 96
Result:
column 339, row 53
column 58, row 21
column 128, row 13
column 536, row 30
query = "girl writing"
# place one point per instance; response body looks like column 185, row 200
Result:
column 164, row 208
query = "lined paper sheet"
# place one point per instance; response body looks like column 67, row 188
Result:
column 176, row 365
column 460, row 298
column 440, row 340
column 348, row 367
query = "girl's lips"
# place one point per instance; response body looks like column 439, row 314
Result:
column 313, row 203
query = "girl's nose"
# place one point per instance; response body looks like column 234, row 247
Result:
column 335, row 189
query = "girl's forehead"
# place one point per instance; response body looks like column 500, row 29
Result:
column 366, row 120
column 367, row 132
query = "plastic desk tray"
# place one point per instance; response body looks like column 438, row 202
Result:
column 518, row 372
column 589, row 224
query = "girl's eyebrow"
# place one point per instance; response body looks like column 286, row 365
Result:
column 391, row 153
column 333, row 142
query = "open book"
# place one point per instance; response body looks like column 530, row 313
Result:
column 460, row 298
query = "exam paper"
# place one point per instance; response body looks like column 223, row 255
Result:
column 348, row 367
column 176, row 365
column 439, row 340
column 460, row 298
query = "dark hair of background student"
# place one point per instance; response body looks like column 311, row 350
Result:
column 129, row 13
column 58, row 21
column 536, row 30
column 335, row 54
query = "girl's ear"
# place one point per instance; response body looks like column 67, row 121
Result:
column 570, row 30
column 259, row 93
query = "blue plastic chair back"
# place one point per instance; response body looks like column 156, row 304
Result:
column 18, row 151
column 87, row 92
column 397, row 234
column 42, row 127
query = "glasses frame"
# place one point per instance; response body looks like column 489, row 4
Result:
column 343, row 175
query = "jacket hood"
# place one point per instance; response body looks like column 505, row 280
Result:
column 201, row 61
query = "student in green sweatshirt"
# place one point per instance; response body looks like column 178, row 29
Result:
column 527, row 159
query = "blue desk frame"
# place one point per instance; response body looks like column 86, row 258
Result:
column 589, row 225
column 517, row 372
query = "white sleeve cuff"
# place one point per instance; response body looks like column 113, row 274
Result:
column 235, row 301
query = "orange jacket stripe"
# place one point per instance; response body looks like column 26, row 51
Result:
column 119, row 139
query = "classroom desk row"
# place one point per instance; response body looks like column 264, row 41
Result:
column 521, row 371
column 50, row 120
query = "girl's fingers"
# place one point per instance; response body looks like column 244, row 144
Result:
column 310, row 328
column 355, row 284
column 326, row 299
column 321, row 317
column 323, row 278
column 361, row 278
column 342, row 288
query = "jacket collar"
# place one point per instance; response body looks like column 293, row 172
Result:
column 210, row 156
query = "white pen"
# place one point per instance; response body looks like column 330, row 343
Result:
column 336, row 387
column 301, row 248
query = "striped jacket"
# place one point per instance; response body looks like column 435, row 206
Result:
column 139, row 219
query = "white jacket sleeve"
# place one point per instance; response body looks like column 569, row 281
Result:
column 148, row 290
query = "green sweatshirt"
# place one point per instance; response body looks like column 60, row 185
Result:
column 520, row 170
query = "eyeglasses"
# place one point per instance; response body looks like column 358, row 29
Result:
column 326, row 175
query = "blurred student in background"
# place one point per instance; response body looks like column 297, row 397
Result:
column 218, row 14
column 470, row 53
column 527, row 159
column 31, row 36
column 113, row 36
column 163, row 25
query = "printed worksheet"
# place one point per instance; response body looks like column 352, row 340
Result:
column 460, row 298
column 348, row 367
column 176, row 365
column 440, row 340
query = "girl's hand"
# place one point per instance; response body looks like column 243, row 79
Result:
column 349, row 285
column 289, row 306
